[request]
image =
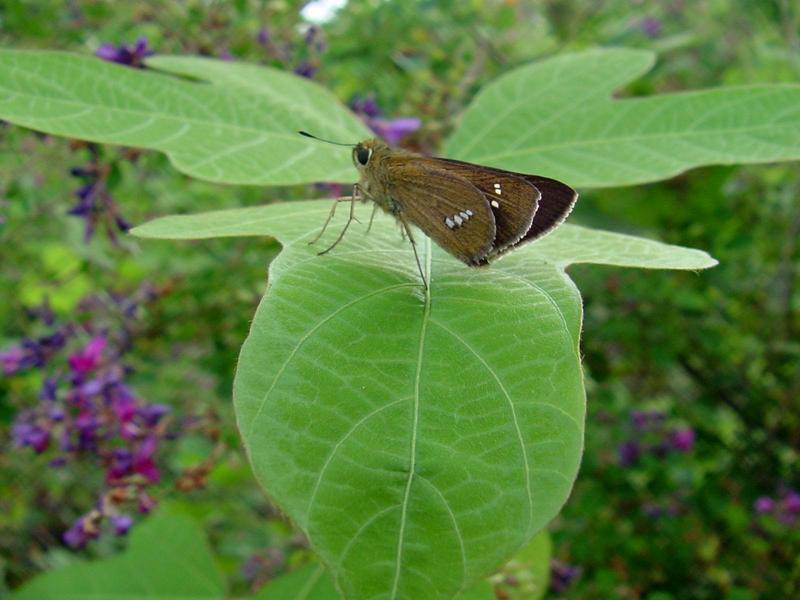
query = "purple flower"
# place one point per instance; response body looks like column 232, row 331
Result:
column 132, row 56
column 74, row 536
column 562, row 575
column 151, row 414
column 85, row 195
column 124, row 404
column 791, row 502
column 366, row 106
column 394, row 130
column 643, row 420
column 123, row 225
column 682, row 440
column 314, row 40
column 764, row 505
column 311, row 34
column 121, row 524
column 263, row 36
column 651, row 26
column 81, row 532
column 629, row 453
column 12, row 360
column 87, row 425
column 143, row 462
column 121, row 465
column 305, row 69
column 32, row 353
column 49, row 389
column 33, row 436
column 89, row 358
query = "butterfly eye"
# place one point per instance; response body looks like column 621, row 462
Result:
column 362, row 155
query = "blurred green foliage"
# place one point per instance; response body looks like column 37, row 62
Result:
column 718, row 352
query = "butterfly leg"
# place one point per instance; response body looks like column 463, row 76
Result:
column 407, row 231
column 331, row 214
column 328, row 220
column 372, row 217
column 350, row 218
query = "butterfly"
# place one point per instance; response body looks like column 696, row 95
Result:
column 475, row 213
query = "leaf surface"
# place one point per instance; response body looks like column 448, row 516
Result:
column 306, row 583
column 419, row 439
column 232, row 123
column 557, row 118
column 168, row 558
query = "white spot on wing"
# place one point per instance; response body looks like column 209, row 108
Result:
column 449, row 222
column 495, row 203
column 458, row 220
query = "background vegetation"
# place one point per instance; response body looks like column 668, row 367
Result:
column 689, row 485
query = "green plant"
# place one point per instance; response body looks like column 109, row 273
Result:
column 418, row 438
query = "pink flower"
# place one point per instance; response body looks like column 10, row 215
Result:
column 89, row 358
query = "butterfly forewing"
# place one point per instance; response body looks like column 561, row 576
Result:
column 513, row 200
column 448, row 208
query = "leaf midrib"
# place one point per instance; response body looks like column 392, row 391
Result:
column 139, row 113
column 415, row 420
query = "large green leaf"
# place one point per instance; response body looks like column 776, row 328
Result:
column 527, row 575
column 241, row 129
column 306, row 583
column 418, row 438
column 168, row 558
column 557, row 118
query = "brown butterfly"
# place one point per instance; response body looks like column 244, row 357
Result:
column 475, row 213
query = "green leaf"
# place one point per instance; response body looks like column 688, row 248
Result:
column 482, row 591
column 242, row 128
column 419, row 439
column 557, row 118
column 167, row 558
column 529, row 570
column 307, row 583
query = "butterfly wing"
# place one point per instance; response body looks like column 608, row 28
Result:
column 555, row 203
column 448, row 208
column 514, row 201
column 558, row 200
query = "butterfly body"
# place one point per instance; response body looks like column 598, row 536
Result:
column 475, row 213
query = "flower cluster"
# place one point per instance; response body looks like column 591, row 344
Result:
column 95, row 204
column 86, row 411
column 124, row 54
column 391, row 130
column 650, row 434
column 785, row 506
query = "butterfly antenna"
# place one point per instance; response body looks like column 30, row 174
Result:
column 313, row 137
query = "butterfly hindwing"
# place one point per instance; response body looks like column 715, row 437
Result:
column 555, row 203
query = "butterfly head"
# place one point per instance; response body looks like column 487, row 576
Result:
column 363, row 152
